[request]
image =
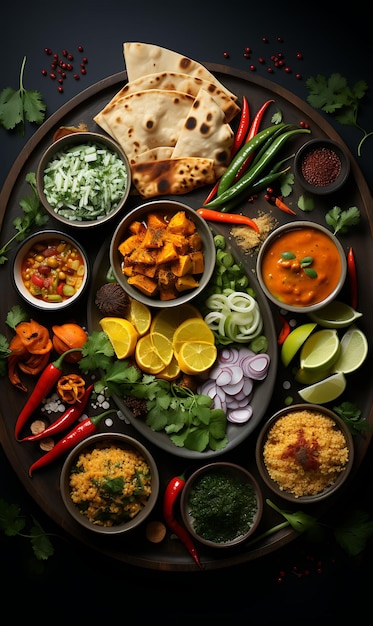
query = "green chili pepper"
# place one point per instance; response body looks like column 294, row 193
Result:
column 253, row 173
column 260, row 184
column 241, row 156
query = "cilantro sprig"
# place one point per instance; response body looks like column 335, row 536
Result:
column 21, row 105
column 341, row 221
column 33, row 215
column 189, row 419
column 13, row 523
column 334, row 96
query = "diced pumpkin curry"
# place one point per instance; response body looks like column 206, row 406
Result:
column 163, row 256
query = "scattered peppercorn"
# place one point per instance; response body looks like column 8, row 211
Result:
column 58, row 63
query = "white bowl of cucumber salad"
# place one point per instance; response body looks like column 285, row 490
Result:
column 83, row 179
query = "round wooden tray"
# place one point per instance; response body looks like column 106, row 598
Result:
column 135, row 549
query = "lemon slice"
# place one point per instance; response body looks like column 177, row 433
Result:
column 167, row 320
column 193, row 329
column 171, row 371
column 295, row 340
column 163, row 346
column 140, row 316
column 354, row 351
column 147, row 356
column 196, row 357
column 336, row 314
column 122, row 335
column 324, row 391
column 320, row 350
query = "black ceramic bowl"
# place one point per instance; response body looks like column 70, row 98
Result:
column 304, row 458
column 321, row 166
column 202, row 502
column 90, row 200
column 167, row 208
column 98, row 489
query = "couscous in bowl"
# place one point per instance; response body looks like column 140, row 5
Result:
column 109, row 483
column 305, row 453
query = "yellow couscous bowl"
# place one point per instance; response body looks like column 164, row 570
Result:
column 305, row 453
column 109, row 483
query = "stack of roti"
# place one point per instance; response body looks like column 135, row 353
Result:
column 172, row 119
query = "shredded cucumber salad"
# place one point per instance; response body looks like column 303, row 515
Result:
column 85, row 182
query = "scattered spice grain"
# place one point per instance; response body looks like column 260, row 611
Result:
column 250, row 240
column 321, row 167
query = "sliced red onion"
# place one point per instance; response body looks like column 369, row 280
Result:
column 239, row 416
column 257, row 366
column 229, row 356
column 233, row 389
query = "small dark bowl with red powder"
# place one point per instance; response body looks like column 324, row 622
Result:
column 321, row 166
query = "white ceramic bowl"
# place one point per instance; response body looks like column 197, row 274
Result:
column 297, row 276
column 304, row 463
column 37, row 243
column 139, row 214
column 105, row 440
column 214, row 527
column 73, row 141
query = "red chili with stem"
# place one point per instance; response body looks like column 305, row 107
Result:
column 283, row 207
column 67, row 419
column 81, row 431
column 352, row 276
column 254, row 128
column 238, row 140
column 172, row 492
column 45, row 383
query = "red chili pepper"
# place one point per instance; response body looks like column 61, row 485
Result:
column 284, row 332
column 172, row 492
column 227, row 218
column 78, row 433
column 46, row 382
column 67, row 419
column 240, row 135
column 284, row 207
column 254, row 128
column 352, row 276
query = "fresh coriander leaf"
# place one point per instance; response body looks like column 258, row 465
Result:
column 41, row 544
column 334, row 96
column 19, row 106
column 286, row 184
column 277, row 117
column 11, row 521
column 33, row 214
column 341, row 221
column 351, row 415
column 353, row 533
column 15, row 316
column 306, row 203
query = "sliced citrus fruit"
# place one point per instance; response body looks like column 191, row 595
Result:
column 122, row 335
column 193, row 329
column 336, row 314
column 309, row 377
column 295, row 340
column 167, row 320
column 320, row 350
column 163, row 346
column 147, row 356
column 325, row 390
column 354, row 351
column 171, row 371
column 140, row 316
column 196, row 357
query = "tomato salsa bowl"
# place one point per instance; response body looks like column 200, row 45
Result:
column 301, row 266
column 51, row 270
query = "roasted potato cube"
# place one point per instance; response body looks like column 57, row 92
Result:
column 180, row 223
column 156, row 220
column 130, row 244
column 153, row 238
column 146, row 285
column 167, row 254
column 184, row 283
column 198, row 262
column 183, row 265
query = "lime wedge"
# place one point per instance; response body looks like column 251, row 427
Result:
column 295, row 340
column 324, row 391
column 336, row 314
column 320, row 351
column 309, row 377
column 353, row 352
